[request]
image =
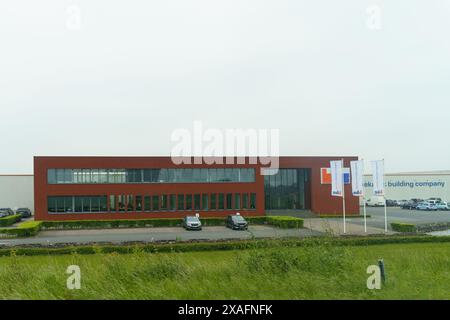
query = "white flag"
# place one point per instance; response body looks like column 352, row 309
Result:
column 357, row 177
column 378, row 177
column 336, row 178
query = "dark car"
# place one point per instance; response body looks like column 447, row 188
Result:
column 8, row 210
column 192, row 223
column 24, row 212
column 236, row 222
column 3, row 214
column 391, row 203
column 411, row 204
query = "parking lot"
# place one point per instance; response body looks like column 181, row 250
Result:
column 155, row 234
column 396, row 214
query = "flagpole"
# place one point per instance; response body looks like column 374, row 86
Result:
column 365, row 219
column 385, row 206
column 343, row 194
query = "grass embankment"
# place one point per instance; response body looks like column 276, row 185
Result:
column 319, row 270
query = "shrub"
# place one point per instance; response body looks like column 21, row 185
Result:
column 26, row 229
column 136, row 223
column 403, row 227
column 9, row 220
column 221, row 245
column 285, row 222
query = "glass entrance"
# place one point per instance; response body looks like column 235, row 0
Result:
column 288, row 189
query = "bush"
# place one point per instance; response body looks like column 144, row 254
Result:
column 311, row 243
column 26, row 229
column 403, row 227
column 285, row 222
column 136, row 223
column 9, row 220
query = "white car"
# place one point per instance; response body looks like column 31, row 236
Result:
column 442, row 206
column 376, row 201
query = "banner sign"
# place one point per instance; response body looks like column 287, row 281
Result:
column 378, row 177
column 325, row 175
column 357, row 177
column 336, row 178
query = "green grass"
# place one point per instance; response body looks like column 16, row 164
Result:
column 319, row 270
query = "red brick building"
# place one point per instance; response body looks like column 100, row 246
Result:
column 74, row 188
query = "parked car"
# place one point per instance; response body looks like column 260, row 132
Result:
column 411, row 204
column 391, row 203
column 434, row 200
column 426, row 206
column 236, row 222
column 442, row 206
column 401, row 203
column 375, row 201
column 3, row 214
column 8, row 210
column 192, row 223
column 24, row 212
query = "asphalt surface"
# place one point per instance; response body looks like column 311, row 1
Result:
column 395, row 214
column 154, row 235
column 376, row 221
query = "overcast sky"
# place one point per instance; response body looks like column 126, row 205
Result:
column 334, row 76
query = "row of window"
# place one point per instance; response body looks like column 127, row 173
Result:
column 151, row 203
column 87, row 176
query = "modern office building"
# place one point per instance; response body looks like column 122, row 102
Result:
column 74, row 188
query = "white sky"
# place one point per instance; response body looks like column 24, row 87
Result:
column 137, row 70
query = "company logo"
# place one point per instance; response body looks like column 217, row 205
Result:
column 325, row 175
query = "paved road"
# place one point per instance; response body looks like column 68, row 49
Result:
column 396, row 214
column 155, row 234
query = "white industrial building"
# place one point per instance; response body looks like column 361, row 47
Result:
column 17, row 191
column 409, row 185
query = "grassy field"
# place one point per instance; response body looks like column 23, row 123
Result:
column 317, row 271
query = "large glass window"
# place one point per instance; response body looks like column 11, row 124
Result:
column 213, row 201
column 287, row 189
column 186, row 175
column 112, row 203
column 205, row 202
column 253, row 201
column 180, row 202
column 229, row 202
column 77, row 204
column 189, row 202
column 245, row 201
column 163, row 203
column 155, row 203
column 172, row 202
column 221, row 201
column 147, row 203
column 237, row 201
column 197, row 202
column 51, row 176
column 139, row 205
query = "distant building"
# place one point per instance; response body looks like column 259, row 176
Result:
column 16, row 191
column 408, row 185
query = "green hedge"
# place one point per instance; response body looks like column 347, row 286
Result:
column 285, row 222
column 220, row 245
column 25, row 229
column 403, row 227
column 9, row 220
column 136, row 223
